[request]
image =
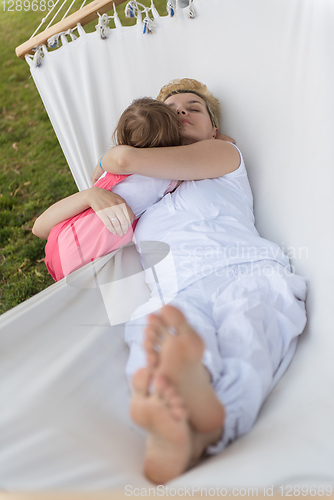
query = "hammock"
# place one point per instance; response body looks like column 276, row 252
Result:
column 65, row 423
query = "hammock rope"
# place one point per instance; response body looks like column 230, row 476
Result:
column 56, row 14
column 44, row 20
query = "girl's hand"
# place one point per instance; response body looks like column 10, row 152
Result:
column 112, row 209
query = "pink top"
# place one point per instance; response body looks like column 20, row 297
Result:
column 82, row 238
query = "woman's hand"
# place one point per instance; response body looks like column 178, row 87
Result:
column 223, row 137
column 112, row 209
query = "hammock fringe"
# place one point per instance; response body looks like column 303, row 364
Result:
column 171, row 7
column 191, row 10
column 103, row 26
column 146, row 19
column 53, row 41
column 38, row 56
column 134, row 9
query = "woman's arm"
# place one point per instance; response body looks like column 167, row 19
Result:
column 106, row 205
column 202, row 160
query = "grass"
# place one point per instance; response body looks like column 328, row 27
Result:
column 33, row 170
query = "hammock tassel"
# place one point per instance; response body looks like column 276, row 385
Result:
column 38, row 56
column 191, row 10
column 53, row 42
column 103, row 26
column 171, row 7
column 72, row 35
column 131, row 9
column 149, row 25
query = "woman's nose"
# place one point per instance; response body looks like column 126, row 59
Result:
column 181, row 111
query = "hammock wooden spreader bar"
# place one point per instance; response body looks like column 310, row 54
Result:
column 82, row 16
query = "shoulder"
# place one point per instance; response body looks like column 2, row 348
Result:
column 238, row 158
column 227, row 155
column 217, row 146
column 217, row 156
column 240, row 171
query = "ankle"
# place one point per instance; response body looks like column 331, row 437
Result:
column 201, row 441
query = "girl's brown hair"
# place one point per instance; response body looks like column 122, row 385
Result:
column 148, row 123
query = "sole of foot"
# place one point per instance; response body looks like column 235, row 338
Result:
column 174, row 353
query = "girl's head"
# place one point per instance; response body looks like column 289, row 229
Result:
column 148, row 123
column 189, row 86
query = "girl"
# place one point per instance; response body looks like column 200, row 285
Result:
column 76, row 233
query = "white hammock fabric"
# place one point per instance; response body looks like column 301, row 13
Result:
column 64, row 421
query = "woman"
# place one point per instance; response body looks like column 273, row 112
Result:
column 203, row 366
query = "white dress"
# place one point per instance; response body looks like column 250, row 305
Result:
column 234, row 287
column 141, row 192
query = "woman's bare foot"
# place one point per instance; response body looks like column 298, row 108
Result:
column 174, row 351
column 162, row 414
column 172, row 446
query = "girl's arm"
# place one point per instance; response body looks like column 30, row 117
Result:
column 106, row 205
column 202, row 160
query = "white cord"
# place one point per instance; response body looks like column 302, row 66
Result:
column 56, row 14
column 44, row 19
column 68, row 10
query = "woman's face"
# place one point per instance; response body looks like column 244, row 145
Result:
column 196, row 123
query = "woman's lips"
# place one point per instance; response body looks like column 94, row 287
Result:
column 184, row 120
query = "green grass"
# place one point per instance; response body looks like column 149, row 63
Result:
column 29, row 154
